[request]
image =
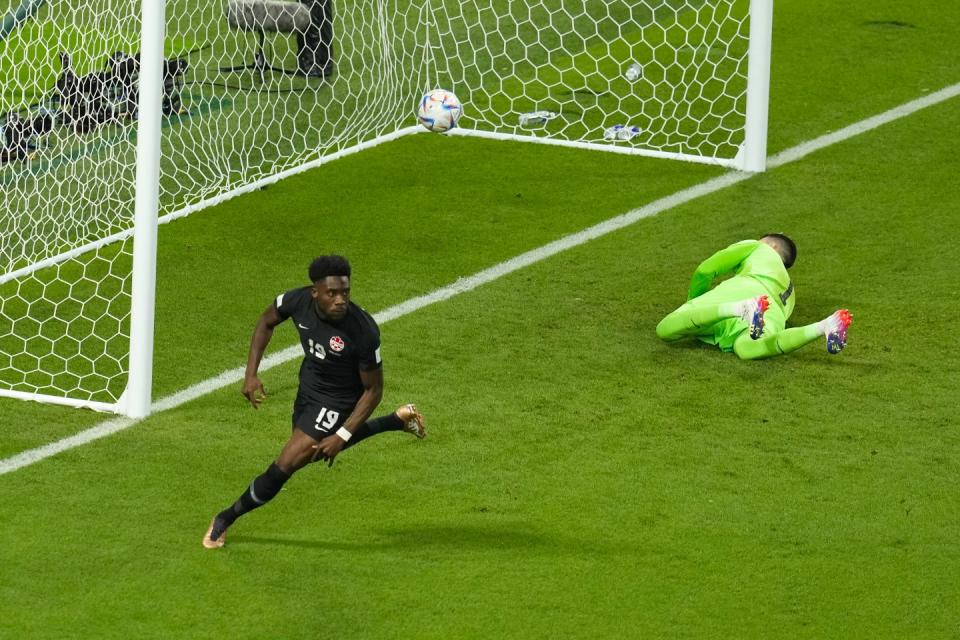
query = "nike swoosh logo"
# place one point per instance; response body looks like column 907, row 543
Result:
column 301, row 326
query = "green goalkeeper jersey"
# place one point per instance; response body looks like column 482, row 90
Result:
column 748, row 259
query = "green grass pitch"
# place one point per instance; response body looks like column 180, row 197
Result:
column 581, row 479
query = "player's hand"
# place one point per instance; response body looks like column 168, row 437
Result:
column 253, row 391
column 328, row 448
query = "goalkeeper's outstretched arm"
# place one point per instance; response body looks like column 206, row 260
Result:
column 720, row 263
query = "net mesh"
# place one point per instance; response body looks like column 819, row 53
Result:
column 255, row 88
column 666, row 76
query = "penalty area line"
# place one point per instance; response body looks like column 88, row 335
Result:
column 469, row 283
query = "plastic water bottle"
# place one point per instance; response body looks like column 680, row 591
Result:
column 610, row 133
column 620, row 132
column 536, row 118
column 633, row 72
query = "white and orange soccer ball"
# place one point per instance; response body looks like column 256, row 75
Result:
column 439, row 110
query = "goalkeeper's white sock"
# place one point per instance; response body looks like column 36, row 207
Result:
column 821, row 328
column 741, row 309
column 734, row 309
column 828, row 324
column 831, row 324
column 815, row 330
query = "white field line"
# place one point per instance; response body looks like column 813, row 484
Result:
column 463, row 285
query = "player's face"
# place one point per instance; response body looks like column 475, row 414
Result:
column 332, row 295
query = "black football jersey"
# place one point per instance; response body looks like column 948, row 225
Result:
column 334, row 352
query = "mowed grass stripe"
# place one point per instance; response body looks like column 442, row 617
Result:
column 573, row 457
column 495, row 272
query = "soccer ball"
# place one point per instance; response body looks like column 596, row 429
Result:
column 439, row 110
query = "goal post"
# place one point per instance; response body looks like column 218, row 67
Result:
column 136, row 399
column 117, row 116
column 754, row 153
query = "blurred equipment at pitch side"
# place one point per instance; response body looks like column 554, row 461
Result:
column 87, row 102
column 90, row 100
column 18, row 135
column 310, row 20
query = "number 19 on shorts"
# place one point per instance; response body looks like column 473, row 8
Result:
column 326, row 419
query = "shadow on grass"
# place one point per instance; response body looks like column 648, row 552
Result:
column 468, row 538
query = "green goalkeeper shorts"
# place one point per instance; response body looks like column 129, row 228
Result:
column 725, row 332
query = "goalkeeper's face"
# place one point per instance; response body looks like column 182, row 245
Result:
column 333, row 296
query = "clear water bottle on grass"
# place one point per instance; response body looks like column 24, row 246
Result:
column 620, row 132
column 610, row 133
column 536, row 118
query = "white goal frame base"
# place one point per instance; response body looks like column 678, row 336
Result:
column 735, row 163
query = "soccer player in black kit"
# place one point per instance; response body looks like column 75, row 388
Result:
column 341, row 383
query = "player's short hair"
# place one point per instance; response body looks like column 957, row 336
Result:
column 324, row 266
column 788, row 248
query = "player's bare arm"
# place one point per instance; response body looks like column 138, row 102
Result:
column 262, row 334
column 329, row 447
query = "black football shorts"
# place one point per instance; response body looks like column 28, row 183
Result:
column 319, row 418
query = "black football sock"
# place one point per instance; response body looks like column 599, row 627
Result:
column 373, row 427
column 263, row 488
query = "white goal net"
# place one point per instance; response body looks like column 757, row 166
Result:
column 254, row 90
column 655, row 78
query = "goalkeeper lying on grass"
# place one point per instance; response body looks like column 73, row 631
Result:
column 747, row 314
